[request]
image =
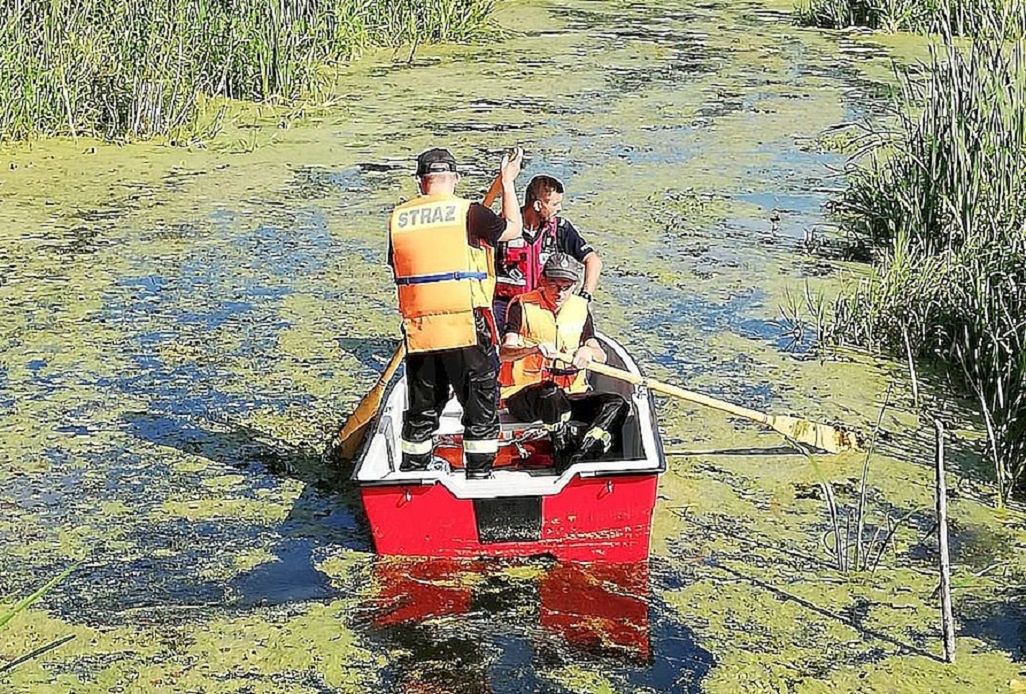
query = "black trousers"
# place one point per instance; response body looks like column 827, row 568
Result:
column 471, row 373
column 552, row 405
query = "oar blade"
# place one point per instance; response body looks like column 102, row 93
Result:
column 352, row 433
column 355, row 429
column 821, row 436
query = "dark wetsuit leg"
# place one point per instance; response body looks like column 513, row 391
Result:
column 472, row 371
column 427, row 391
column 545, row 401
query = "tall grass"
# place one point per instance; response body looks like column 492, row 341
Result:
column 115, row 68
column 943, row 199
column 959, row 17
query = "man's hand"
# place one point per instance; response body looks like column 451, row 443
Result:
column 582, row 357
column 509, row 169
column 547, row 350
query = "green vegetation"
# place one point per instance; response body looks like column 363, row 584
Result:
column 961, row 17
column 29, row 600
column 26, row 602
column 944, row 196
column 741, row 541
column 115, row 69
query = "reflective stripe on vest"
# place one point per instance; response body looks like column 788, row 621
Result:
column 539, row 324
column 440, row 277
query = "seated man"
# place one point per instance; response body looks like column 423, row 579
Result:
column 539, row 324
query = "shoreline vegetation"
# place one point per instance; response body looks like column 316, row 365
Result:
column 938, row 194
column 118, row 70
column 952, row 17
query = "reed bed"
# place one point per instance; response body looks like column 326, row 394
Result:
column 112, row 68
column 941, row 196
column 958, row 17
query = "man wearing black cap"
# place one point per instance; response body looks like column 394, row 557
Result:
column 552, row 319
column 440, row 251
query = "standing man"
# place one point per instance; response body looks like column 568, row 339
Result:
column 551, row 319
column 519, row 262
column 440, row 250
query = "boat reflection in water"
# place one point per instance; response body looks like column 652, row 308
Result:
column 488, row 626
column 602, row 608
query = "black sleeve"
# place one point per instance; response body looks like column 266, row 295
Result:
column 483, row 225
column 588, row 331
column 570, row 241
column 514, row 316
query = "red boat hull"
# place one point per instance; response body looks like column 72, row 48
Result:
column 605, row 519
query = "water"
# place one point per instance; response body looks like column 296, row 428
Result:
column 183, row 330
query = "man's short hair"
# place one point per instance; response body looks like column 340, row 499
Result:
column 541, row 186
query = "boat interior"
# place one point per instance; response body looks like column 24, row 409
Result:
column 524, row 463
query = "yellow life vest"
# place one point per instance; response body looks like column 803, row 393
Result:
column 539, row 324
column 440, row 277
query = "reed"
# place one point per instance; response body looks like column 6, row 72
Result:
column 959, row 17
column 35, row 596
column 852, row 542
column 942, row 197
column 26, row 602
column 115, row 69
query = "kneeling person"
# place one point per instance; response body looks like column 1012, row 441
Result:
column 539, row 324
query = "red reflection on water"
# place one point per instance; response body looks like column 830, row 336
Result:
column 599, row 608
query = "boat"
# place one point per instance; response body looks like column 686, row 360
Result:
column 592, row 511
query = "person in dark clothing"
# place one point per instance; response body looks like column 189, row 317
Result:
column 440, row 254
column 539, row 324
column 518, row 263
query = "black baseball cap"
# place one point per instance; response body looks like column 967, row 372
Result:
column 436, row 160
column 561, row 266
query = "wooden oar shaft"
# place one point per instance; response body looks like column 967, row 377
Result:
column 668, row 389
column 368, row 407
column 493, row 191
column 393, row 364
column 802, row 431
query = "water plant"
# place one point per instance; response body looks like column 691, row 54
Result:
column 114, row 69
column 852, row 542
column 959, row 17
column 24, row 604
column 941, row 195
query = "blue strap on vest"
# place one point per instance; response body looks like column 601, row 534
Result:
column 442, row 277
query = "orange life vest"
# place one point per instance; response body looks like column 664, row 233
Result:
column 440, row 277
column 539, row 324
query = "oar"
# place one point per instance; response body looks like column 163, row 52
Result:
column 822, row 436
column 351, row 435
column 493, row 192
column 355, row 428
